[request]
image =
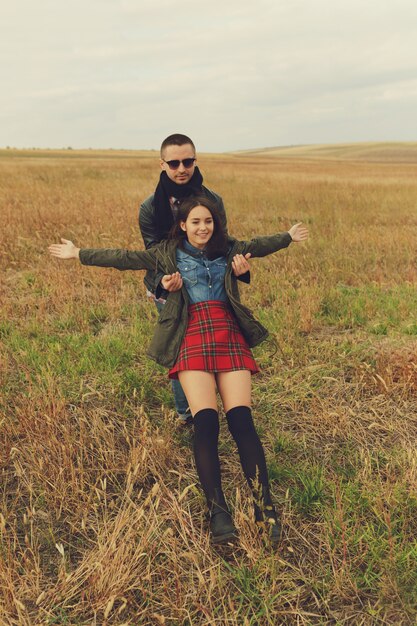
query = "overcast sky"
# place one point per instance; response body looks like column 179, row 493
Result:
column 232, row 74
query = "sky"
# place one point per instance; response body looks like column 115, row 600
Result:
column 231, row 74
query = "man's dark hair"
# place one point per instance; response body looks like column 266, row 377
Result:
column 176, row 140
column 217, row 245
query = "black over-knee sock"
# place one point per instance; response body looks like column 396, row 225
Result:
column 206, row 436
column 251, row 452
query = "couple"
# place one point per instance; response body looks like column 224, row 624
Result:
column 204, row 333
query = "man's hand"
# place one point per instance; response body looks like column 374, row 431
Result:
column 298, row 232
column 240, row 264
column 172, row 282
column 64, row 250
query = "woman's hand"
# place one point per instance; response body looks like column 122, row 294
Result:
column 64, row 250
column 298, row 232
column 240, row 264
column 172, row 282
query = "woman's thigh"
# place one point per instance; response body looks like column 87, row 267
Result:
column 234, row 388
column 199, row 388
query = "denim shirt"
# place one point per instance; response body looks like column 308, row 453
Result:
column 203, row 279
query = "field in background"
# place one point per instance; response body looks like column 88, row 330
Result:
column 400, row 152
column 101, row 521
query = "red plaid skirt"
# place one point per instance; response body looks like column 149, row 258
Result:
column 213, row 342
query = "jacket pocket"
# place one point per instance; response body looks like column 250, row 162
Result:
column 169, row 312
column 168, row 333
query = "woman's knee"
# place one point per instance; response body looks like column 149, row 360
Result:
column 206, row 423
column 239, row 420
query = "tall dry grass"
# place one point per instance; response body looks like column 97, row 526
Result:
column 101, row 516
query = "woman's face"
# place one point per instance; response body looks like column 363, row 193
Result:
column 199, row 226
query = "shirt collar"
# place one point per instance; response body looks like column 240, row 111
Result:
column 191, row 249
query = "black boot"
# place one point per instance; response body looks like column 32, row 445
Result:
column 266, row 516
column 221, row 524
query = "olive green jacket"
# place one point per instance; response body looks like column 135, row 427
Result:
column 173, row 319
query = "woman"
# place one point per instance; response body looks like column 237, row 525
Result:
column 203, row 336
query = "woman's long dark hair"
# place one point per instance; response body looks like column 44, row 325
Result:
column 217, row 245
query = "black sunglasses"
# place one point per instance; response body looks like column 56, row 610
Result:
column 175, row 163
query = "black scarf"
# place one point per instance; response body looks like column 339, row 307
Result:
column 167, row 189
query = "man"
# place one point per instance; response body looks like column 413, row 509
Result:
column 180, row 178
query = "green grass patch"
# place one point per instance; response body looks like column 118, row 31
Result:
column 379, row 309
column 310, row 491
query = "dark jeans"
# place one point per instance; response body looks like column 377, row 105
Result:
column 180, row 400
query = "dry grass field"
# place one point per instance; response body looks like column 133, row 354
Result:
column 101, row 518
column 369, row 152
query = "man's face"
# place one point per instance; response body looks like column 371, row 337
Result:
column 182, row 174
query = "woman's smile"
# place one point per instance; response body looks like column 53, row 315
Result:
column 198, row 218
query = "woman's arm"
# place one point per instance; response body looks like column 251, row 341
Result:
column 262, row 246
column 103, row 257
